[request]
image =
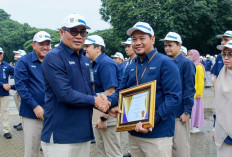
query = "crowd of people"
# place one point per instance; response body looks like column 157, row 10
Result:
column 68, row 95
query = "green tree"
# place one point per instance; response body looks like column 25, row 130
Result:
column 197, row 21
column 4, row 15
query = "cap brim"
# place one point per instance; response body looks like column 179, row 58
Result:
column 131, row 30
column 220, row 47
column 222, row 35
column 87, row 42
column 40, row 41
column 169, row 40
column 15, row 52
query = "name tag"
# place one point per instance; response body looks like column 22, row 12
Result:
column 33, row 66
column 71, row 62
column 87, row 64
column 152, row 68
column 132, row 70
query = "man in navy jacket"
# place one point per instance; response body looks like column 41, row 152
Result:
column 150, row 65
column 69, row 97
column 29, row 83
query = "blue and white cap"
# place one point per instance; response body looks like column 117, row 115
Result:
column 184, row 50
column 74, row 20
column 21, row 52
column 226, row 34
column 118, row 55
column 141, row 26
column 172, row 36
column 94, row 39
column 41, row 36
column 127, row 42
column 228, row 45
column 1, row 50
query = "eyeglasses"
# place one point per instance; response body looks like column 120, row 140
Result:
column 1, row 53
column 228, row 55
column 75, row 32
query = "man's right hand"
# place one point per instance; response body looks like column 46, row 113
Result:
column 6, row 87
column 101, row 103
column 39, row 112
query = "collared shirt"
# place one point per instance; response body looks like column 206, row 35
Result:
column 29, row 83
column 218, row 65
column 208, row 64
column 68, row 96
column 128, row 62
column 120, row 69
column 187, row 75
column 168, row 91
column 106, row 74
column 5, row 71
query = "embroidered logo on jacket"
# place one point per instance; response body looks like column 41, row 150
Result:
column 71, row 62
column 33, row 66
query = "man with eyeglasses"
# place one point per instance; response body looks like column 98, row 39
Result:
column 5, row 71
column 29, row 83
column 69, row 95
column 225, row 38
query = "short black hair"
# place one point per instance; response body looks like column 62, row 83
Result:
column 102, row 47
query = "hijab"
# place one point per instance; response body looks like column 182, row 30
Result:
column 196, row 58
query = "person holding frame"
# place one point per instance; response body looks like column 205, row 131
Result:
column 149, row 65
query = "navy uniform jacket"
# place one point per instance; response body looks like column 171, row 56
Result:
column 187, row 75
column 208, row 64
column 218, row 65
column 106, row 74
column 29, row 83
column 68, row 96
column 168, row 91
column 5, row 71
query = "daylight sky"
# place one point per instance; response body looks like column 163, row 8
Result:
column 50, row 13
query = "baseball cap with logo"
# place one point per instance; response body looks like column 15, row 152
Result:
column 118, row 55
column 1, row 50
column 74, row 20
column 127, row 42
column 228, row 45
column 41, row 36
column 94, row 39
column 226, row 34
column 184, row 49
column 172, row 36
column 141, row 26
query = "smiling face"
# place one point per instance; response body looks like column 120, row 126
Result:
column 41, row 48
column 73, row 42
column 92, row 52
column 172, row 48
column 142, row 43
column 227, row 57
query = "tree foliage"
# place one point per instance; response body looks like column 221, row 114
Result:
column 197, row 21
column 14, row 36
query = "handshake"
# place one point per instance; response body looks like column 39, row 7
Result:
column 101, row 103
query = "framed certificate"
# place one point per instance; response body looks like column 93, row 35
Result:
column 137, row 105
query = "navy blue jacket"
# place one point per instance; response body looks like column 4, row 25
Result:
column 187, row 75
column 5, row 71
column 168, row 91
column 68, row 96
column 218, row 65
column 208, row 64
column 29, row 83
column 106, row 74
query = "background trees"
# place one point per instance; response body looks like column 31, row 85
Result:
column 197, row 21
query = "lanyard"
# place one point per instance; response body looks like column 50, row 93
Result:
column 138, row 82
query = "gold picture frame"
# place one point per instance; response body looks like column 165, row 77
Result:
column 137, row 105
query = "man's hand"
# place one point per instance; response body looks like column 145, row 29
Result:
column 139, row 128
column 184, row 118
column 114, row 112
column 39, row 112
column 101, row 124
column 6, row 87
column 101, row 103
column 213, row 136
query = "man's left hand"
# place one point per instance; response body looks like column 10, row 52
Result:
column 101, row 124
column 184, row 118
column 139, row 128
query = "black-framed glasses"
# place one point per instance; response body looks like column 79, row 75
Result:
column 228, row 55
column 75, row 32
column 1, row 53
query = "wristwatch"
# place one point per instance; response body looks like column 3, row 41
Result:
column 186, row 113
column 103, row 119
